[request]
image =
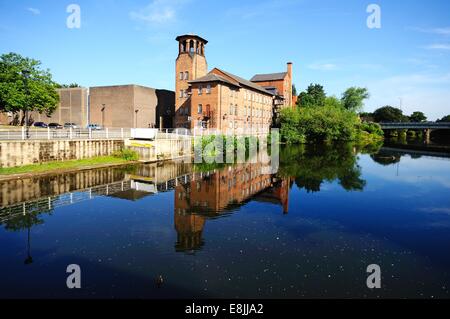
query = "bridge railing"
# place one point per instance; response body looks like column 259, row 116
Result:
column 424, row 125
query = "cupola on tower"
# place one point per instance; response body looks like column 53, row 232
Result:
column 190, row 65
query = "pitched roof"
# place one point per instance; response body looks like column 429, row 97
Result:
column 212, row 77
column 269, row 77
column 245, row 82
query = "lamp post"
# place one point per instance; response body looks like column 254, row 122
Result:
column 136, row 118
column 103, row 115
column 26, row 76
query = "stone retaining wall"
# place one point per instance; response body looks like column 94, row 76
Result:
column 18, row 153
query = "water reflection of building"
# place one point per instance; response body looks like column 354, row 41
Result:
column 213, row 194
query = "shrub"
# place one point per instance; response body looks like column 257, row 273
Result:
column 372, row 128
column 312, row 124
column 127, row 155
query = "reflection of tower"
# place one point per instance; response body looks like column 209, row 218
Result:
column 189, row 226
column 189, row 231
column 284, row 194
column 190, row 65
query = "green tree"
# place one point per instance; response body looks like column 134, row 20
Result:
column 318, row 124
column 314, row 96
column 332, row 101
column 294, row 90
column 353, row 98
column 366, row 117
column 41, row 95
column 445, row 119
column 418, row 117
column 388, row 114
column 66, row 86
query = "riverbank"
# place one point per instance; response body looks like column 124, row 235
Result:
column 61, row 167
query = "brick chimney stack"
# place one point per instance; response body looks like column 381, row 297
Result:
column 290, row 98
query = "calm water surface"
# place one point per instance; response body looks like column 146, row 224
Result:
column 308, row 231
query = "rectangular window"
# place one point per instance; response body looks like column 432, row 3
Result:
column 181, row 93
column 236, row 110
column 186, row 75
column 208, row 89
column 181, row 75
column 200, row 90
column 200, row 109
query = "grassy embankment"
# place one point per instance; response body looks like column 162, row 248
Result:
column 121, row 157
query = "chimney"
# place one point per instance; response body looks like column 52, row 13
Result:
column 289, row 69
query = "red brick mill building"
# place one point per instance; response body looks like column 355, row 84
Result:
column 221, row 100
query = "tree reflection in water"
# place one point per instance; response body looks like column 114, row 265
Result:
column 312, row 165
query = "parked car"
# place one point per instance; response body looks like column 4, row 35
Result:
column 55, row 126
column 95, row 127
column 40, row 124
column 70, row 125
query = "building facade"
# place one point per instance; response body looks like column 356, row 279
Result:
column 279, row 83
column 129, row 106
column 72, row 108
column 218, row 99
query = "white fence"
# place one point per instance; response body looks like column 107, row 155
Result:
column 53, row 134
column 117, row 133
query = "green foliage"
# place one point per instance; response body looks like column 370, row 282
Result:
column 127, row 155
column 290, row 133
column 41, row 95
column 445, row 119
column 317, row 124
column 366, row 117
column 215, row 147
column 418, row 117
column 332, row 101
column 353, row 98
column 371, row 128
column 314, row 96
column 389, row 114
column 67, row 86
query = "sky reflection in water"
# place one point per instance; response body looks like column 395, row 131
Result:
column 309, row 231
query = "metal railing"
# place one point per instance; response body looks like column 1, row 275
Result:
column 20, row 133
column 413, row 125
column 70, row 133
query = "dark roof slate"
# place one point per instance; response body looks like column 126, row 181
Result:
column 212, row 77
column 269, row 77
column 245, row 82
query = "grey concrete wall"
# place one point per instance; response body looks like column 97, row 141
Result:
column 124, row 106
column 72, row 108
column 18, row 153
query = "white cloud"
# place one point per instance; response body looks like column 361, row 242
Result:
column 323, row 66
column 438, row 46
column 438, row 31
column 34, row 11
column 158, row 12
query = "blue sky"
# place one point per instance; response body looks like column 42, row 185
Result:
column 123, row 42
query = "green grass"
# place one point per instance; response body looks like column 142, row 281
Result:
column 62, row 165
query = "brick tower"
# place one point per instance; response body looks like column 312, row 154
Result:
column 190, row 65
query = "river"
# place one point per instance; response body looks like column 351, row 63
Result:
column 176, row 230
